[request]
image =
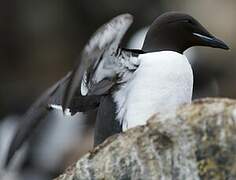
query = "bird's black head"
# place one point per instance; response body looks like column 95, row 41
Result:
column 177, row 32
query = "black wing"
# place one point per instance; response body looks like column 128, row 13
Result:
column 96, row 72
column 104, row 43
column 35, row 114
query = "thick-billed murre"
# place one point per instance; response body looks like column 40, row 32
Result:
column 127, row 86
column 135, row 84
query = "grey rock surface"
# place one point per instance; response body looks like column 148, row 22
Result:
column 198, row 141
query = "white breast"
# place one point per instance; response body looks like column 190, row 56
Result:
column 163, row 81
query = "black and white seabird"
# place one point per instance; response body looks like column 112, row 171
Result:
column 135, row 84
column 127, row 86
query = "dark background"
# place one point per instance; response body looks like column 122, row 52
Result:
column 40, row 41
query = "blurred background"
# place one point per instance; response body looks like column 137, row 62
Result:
column 40, row 41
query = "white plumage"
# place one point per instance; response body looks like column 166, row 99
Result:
column 162, row 82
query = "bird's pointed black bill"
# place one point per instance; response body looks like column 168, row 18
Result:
column 217, row 43
column 212, row 41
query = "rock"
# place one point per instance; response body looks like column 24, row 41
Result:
column 198, row 141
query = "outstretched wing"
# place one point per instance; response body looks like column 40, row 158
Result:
column 36, row 114
column 95, row 73
column 92, row 76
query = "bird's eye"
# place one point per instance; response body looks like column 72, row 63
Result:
column 187, row 21
column 191, row 22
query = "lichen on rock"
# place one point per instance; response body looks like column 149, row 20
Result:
column 198, row 141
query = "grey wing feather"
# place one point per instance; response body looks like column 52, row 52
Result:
column 105, row 40
column 36, row 114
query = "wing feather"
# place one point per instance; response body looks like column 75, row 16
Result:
column 85, row 78
column 36, row 113
column 105, row 40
